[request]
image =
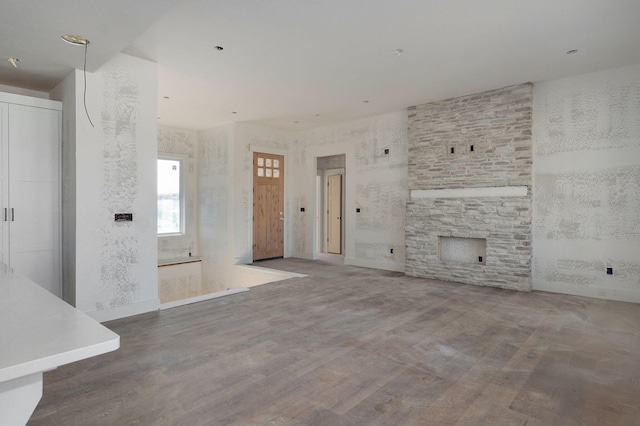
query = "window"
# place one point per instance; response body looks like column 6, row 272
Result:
column 170, row 196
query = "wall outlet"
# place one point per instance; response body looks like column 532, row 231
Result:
column 480, row 259
column 391, row 251
column 609, row 271
column 386, row 150
column 302, row 209
column 358, row 210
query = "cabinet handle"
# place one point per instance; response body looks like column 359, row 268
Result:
column 13, row 217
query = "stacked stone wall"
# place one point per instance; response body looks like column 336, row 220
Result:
column 476, row 141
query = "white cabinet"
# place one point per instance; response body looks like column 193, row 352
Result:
column 30, row 173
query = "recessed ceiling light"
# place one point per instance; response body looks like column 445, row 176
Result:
column 219, row 48
column 572, row 51
column 76, row 40
column 296, row 121
column 14, row 62
column 165, row 97
column 233, row 112
column 365, row 102
column 398, row 52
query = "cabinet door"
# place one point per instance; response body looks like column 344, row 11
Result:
column 34, row 215
column 4, row 182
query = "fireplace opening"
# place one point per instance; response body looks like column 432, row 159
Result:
column 462, row 250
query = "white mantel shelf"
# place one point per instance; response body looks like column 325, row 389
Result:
column 494, row 191
column 39, row 332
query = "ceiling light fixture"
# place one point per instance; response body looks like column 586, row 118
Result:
column 398, row 52
column 572, row 51
column 75, row 40
column 219, row 48
column 14, row 62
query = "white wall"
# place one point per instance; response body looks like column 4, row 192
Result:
column 375, row 182
column 115, row 172
column 586, row 212
column 66, row 92
column 182, row 142
column 215, row 200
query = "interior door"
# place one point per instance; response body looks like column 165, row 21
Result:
column 268, row 206
column 334, row 214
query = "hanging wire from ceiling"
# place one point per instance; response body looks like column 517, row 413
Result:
column 84, row 72
column 76, row 40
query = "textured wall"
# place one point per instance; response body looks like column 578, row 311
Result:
column 215, row 192
column 331, row 162
column 498, row 125
column 225, row 196
column 587, row 184
column 376, row 183
column 116, row 263
column 183, row 142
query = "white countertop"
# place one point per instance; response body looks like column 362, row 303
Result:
column 39, row 332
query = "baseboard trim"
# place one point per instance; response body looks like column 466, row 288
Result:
column 125, row 311
column 301, row 255
column 375, row 264
column 621, row 295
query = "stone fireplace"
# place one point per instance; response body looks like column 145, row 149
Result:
column 470, row 178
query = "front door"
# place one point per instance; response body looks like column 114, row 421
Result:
column 268, row 206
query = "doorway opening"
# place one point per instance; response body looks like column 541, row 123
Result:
column 331, row 202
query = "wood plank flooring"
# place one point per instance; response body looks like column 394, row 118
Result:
column 356, row 346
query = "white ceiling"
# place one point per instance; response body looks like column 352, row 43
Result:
column 296, row 64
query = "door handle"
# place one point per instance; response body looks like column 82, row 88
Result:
column 13, row 216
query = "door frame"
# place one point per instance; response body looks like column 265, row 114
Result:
column 325, row 207
column 313, row 227
column 288, row 216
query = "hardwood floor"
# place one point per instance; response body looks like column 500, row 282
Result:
column 355, row 346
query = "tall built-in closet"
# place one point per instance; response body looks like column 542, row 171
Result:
column 30, row 132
